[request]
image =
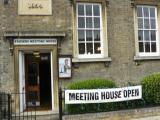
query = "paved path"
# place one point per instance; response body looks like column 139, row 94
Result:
column 148, row 118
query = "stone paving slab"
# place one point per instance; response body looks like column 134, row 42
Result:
column 148, row 118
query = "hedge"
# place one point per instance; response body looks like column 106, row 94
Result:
column 91, row 84
column 150, row 93
column 151, row 89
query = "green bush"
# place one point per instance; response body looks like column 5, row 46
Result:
column 151, row 89
column 91, row 84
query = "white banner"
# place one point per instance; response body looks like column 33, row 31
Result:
column 103, row 95
column 35, row 41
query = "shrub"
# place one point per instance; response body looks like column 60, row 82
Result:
column 151, row 89
column 95, row 107
column 92, row 84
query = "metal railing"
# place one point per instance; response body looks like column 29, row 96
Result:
column 10, row 108
column 5, row 108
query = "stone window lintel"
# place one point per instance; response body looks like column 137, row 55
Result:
column 134, row 3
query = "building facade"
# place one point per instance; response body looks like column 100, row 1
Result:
column 112, row 39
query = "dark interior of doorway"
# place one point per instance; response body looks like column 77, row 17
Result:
column 43, row 63
column 45, row 81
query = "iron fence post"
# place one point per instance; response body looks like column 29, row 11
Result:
column 60, row 104
column 9, row 108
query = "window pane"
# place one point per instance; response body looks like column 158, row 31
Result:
column 141, row 48
column 146, row 24
column 80, row 9
column 153, row 47
column 146, row 35
column 96, row 22
column 153, row 24
column 147, row 47
column 96, row 35
column 97, row 48
column 89, row 48
column 152, row 12
column 146, row 11
column 81, row 35
column 88, row 22
column 139, row 12
column 140, row 23
column 153, row 35
column 88, row 35
column 89, row 10
column 140, row 35
column 81, row 48
column 81, row 22
column 96, row 10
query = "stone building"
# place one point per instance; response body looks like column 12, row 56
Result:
column 115, row 39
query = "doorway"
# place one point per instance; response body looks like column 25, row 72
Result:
column 43, row 55
column 38, row 80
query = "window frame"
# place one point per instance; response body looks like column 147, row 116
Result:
column 84, row 56
column 145, row 54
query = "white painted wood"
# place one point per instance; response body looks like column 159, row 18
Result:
column 22, row 81
column 52, row 83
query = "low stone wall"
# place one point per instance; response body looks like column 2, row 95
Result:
column 117, row 115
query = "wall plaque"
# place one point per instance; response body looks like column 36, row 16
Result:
column 35, row 7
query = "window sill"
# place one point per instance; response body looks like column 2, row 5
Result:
column 76, row 60
column 142, row 58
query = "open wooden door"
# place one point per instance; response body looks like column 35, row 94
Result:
column 32, row 81
column 22, row 81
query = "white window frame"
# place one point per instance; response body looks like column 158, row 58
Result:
column 157, row 34
column 85, row 56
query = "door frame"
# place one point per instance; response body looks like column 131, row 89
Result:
column 54, row 73
column 22, row 81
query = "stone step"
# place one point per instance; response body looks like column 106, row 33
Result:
column 37, row 117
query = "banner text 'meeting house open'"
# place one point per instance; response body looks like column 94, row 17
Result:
column 103, row 95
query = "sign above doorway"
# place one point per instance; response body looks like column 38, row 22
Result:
column 35, row 41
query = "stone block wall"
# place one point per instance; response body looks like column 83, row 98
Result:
column 135, row 114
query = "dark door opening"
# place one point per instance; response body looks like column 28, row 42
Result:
column 38, row 80
column 45, row 81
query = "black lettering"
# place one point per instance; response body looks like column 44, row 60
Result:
column 81, row 96
column 129, row 93
column 72, row 96
column 133, row 94
column 119, row 94
column 125, row 93
column 96, row 96
column 77, row 96
column 85, row 96
column 103, row 96
column 107, row 95
column 137, row 92
column 32, row 41
column 91, row 96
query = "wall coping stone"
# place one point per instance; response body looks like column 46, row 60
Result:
column 116, row 115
